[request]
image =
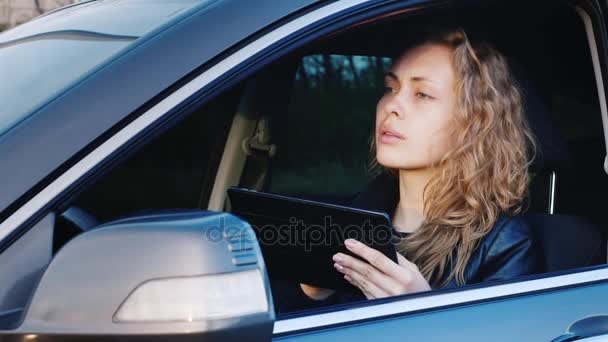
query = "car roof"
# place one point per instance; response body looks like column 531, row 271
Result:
column 38, row 148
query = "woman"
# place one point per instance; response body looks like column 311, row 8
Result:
column 454, row 149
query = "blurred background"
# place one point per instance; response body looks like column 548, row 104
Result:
column 15, row 12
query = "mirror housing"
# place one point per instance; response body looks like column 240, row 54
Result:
column 187, row 274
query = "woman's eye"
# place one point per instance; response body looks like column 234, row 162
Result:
column 388, row 90
column 423, row 96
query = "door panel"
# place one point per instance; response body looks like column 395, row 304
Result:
column 536, row 317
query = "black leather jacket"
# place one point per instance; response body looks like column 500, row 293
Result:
column 507, row 251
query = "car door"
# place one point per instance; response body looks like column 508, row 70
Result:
column 537, row 308
column 533, row 310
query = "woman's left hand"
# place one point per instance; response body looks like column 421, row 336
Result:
column 379, row 276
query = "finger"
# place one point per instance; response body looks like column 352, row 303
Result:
column 344, row 261
column 350, row 266
column 363, row 289
column 355, row 284
column 404, row 262
column 378, row 260
column 370, row 289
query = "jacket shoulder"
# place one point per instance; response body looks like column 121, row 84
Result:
column 508, row 230
column 509, row 250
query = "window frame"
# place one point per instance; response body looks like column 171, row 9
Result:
column 266, row 49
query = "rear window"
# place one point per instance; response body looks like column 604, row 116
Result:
column 40, row 59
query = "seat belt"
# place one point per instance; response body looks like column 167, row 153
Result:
column 259, row 152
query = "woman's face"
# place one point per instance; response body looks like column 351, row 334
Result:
column 413, row 116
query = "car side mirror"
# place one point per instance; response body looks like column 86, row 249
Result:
column 184, row 275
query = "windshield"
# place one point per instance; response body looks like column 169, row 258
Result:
column 42, row 58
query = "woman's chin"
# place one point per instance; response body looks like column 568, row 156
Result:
column 390, row 159
column 400, row 164
column 390, row 163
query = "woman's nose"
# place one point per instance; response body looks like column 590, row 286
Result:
column 394, row 107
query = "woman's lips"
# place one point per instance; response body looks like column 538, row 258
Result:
column 390, row 137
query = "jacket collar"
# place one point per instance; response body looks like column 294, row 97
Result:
column 381, row 194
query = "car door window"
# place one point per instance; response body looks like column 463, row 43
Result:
column 175, row 170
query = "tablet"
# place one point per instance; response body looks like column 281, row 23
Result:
column 299, row 237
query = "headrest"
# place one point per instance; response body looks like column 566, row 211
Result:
column 552, row 150
column 568, row 241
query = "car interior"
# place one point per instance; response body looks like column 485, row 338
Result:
column 302, row 125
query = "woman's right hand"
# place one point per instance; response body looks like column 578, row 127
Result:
column 316, row 293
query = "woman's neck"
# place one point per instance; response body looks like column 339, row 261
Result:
column 409, row 213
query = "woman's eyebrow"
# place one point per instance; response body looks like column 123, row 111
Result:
column 421, row 79
column 390, row 74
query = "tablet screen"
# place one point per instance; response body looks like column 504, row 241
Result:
column 299, row 237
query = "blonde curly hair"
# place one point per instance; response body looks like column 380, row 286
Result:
column 484, row 175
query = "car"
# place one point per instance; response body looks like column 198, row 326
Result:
column 124, row 122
